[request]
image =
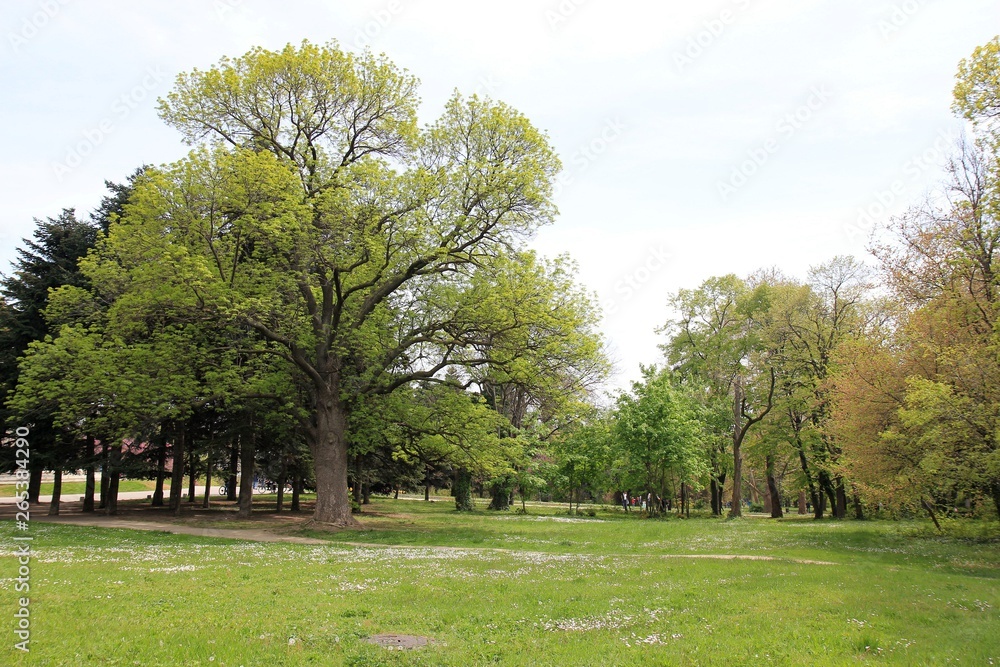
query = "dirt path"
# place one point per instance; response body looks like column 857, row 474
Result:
column 249, row 534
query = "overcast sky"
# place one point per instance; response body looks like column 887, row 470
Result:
column 698, row 138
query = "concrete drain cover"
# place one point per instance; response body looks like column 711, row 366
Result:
column 398, row 641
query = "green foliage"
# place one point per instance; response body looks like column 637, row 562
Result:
column 659, row 435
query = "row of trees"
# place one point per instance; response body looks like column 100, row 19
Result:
column 307, row 275
column 327, row 292
column 872, row 387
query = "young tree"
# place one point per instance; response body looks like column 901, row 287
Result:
column 657, row 428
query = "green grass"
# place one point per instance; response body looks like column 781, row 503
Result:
column 70, row 489
column 598, row 591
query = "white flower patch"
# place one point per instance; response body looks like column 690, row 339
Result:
column 613, row 620
column 657, row 638
column 557, row 519
column 176, row 568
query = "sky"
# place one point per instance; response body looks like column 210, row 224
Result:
column 697, row 138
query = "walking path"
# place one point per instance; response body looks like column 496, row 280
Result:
column 252, row 535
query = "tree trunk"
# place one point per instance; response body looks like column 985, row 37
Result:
column 177, row 475
column 737, row 509
column 427, row 493
column 192, row 472
column 840, row 509
column 802, row 502
column 114, row 478
column 161, row 473
column 328, row 442
column 105, row 474
column 930, row 510
column 463, row 490
column 208, row 484
column 34, row 482
column 246, row 475
column 296, row 490
column 234, row 468
column 859, row 510
column 359, row 472
column 772, row 490
column 500, row 495
column 88, row 493
column 56, row 493
column 282, row 477
column 814, row 495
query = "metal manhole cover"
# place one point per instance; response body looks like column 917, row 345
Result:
column 398, row 641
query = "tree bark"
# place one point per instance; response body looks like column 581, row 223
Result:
column 161, row 473
column 463, row 490
column 772, row 489
column 234, row 468
column 208, row 484
column 802, row 502
column 56, row 493
column 192, row 472
column 105, row 474
column 246, row 475
column 282, row 477
column 359, row 472
column 737, row 510
column 930, row 511
column 177, row 474
column 296, row 490
column 840, row 510
column 114, row 477
column 328, row 443
column 500, row 495
column 88, row 493
column 34, row 482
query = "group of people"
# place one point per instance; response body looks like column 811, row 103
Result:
column 650, row 501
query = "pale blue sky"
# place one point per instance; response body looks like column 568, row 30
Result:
column 653, row 106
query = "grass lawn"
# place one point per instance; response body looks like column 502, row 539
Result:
column 70, row 489
column 541, row 589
